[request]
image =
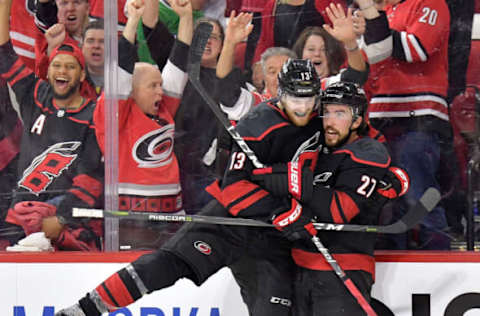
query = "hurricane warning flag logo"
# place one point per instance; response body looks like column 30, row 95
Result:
column 154, row 149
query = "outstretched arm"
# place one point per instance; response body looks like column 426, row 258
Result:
column 5, row 21
column 185, row 27
column 344, row 32
column 238, row 29
column 235, row 100
column 150, row 15
column 368, row 9
column 135, row 10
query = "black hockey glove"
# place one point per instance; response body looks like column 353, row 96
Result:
column 295, row 223
column 394, row 184
column 283, row 180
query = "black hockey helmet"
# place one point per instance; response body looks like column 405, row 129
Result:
column 346, row 93
column 299, row 78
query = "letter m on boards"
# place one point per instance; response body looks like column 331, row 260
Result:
column 20, row 311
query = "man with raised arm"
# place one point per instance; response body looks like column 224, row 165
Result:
column 149, row 173
column 60, row 161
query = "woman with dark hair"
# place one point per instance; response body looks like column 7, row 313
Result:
column 284, row 20
column 326, row 53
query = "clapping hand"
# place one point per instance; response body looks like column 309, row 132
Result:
column 239, row 27
column 342, row 29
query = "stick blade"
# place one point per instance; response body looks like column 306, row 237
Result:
column 425, row 205
column 199, row 41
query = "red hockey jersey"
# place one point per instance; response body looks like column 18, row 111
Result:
column 23, row 30
column 149, row 174
column 409, row 66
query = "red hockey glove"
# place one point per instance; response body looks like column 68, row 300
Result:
column 283, row 180
column 77, row 239
column 294, row 223
column 29, row 215
column 396, row 182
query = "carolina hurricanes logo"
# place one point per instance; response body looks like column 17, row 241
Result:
column 48, row 166
column 154, row 149
column 310, row 145
column 203, row 247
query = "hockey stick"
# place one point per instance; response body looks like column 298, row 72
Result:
column 351, row 287
column 426, row 203
column 199, row 41
column 414, row 215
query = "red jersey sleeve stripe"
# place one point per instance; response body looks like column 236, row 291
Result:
column 247, row 202
column 237, row 190
column 24, row 73
column 347, row 205
column 105, row 296
column 83, row 196
column 215, row 191
column 89, row 184
column 15, row 67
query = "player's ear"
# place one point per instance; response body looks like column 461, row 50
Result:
column 357, row 123
column 82, row 75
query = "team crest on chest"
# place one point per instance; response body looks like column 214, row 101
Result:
column 154, row 149
column 48, row 166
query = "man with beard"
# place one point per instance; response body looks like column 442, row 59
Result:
column 345, row 190
column 60, row 162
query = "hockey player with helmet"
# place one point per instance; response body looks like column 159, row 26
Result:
column 60, row 162
column 266, row 130
column 345, row 190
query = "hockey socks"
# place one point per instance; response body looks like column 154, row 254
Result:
column 160, row 269
column 119, row 290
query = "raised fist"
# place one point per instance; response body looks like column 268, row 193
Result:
column 55, row 36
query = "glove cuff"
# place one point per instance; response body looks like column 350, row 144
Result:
column 290, row 216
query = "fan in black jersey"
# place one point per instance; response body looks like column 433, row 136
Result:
column 60, row 162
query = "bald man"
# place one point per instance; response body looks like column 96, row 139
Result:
column 149, row 179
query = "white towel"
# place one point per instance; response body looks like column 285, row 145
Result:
column 33, row 242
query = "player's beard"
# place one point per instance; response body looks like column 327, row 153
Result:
column 73, row 89
column 340, row 141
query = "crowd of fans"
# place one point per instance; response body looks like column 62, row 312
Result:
column 171, row 146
